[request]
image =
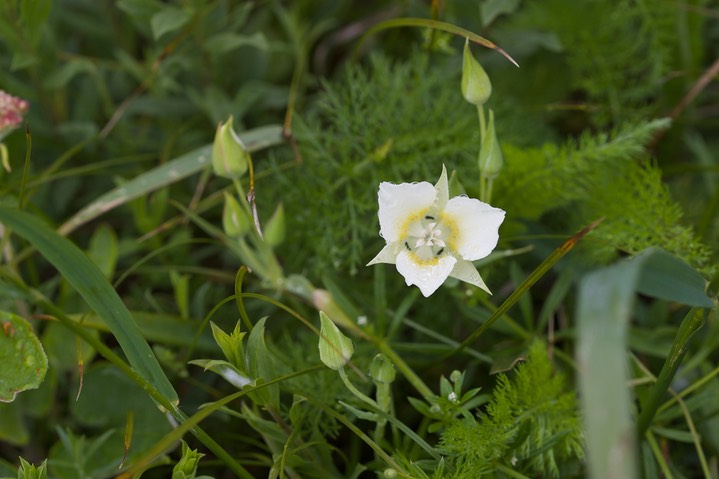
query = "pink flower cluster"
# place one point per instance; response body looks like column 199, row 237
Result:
column 12, row 109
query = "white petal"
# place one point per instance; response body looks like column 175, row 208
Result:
column 476, row 226
column 387, row 255
column 465, row 271
column 442, row 188
column 399, row 203
column 427, row 275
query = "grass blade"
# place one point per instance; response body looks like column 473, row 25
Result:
column 87, row 279
column 166, row 174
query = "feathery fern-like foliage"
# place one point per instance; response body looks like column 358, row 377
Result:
column 531, row 422
column 536, row 180
column 618, row 52
column 388, row 122
column 640, row 213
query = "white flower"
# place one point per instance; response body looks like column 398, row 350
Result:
column 431, row 237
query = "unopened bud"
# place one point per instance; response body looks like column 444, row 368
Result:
column 235, row 220
column 476, row 87
column 490, row 154
column 336, row 349
column 382, row 370
column 186, row 467
column 229, row 156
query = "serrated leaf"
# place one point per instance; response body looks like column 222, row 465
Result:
column 23, row 362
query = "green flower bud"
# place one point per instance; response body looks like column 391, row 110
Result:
column 186, row 467
column 336, row 349
column 30, row 471
column 476, row 87
column 235, row 220
column 490, row 154
column 382, row 370
column 275, row 228
column 229, row 156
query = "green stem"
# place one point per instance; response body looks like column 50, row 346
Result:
column 404, row 368
column 483, row 180
column 533, row 277
column 354, row 390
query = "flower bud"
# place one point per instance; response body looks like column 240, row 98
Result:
column 382, row 370
column 275, row 228
column 336, row 349
column 490, row 154
column 235, row 220
column 229, row 156
column 476, row 87
column 186, row 467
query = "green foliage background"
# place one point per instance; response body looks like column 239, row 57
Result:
column 594, row 124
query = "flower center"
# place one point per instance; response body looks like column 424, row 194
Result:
column 427, row 237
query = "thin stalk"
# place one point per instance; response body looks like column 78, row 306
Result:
column 695, row 438
column 361, row 396
column 659, row 456
column 533, row 277
column 434, row 24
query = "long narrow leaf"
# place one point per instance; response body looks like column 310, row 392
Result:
column 88, row 280
column 166, row 174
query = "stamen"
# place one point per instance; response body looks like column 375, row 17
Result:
column 440, row 251
column 429, row 217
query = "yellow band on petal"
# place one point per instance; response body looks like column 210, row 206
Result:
column 404, row 229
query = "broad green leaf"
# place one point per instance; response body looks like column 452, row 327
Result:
column 168, row 20
column 665, row 276
column 606, row 299
column 88, row 280
column 228, row 41
column 166, row 174
column 492, row 9
column 23, row 362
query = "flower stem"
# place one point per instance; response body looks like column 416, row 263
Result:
column 485, row 184
column 359, row 394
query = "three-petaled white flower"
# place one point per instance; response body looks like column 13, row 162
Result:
column 431, row 237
